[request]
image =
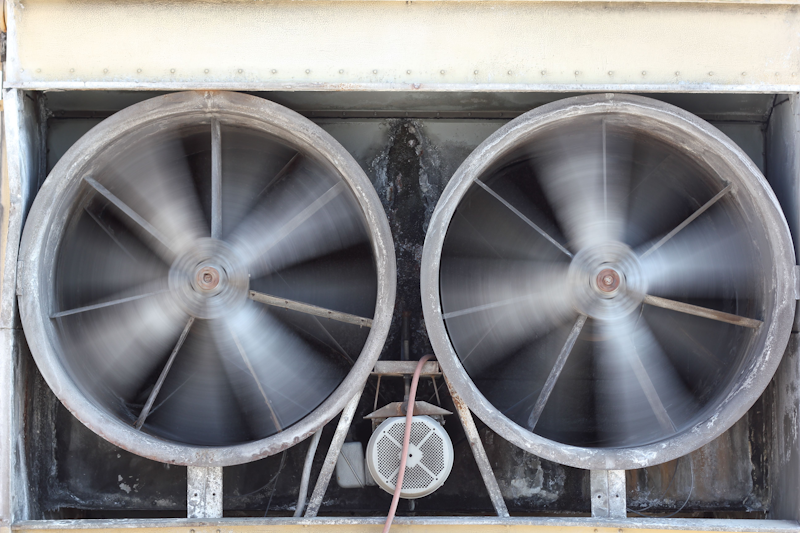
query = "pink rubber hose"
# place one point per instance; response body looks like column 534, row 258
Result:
column 406, row 439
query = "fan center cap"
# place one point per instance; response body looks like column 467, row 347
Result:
column 606, row 281
column 208, row 281
column 207, row 278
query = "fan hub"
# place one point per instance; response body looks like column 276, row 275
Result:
column 207, row 278
column 606, row 281
column 208, row 281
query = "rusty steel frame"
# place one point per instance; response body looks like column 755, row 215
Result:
column 285, row 303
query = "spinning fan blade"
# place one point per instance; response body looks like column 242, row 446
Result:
column 640, row 392
column 121, row 341
column 307, row 215
column 586, row 175
column 492, row 307
column 196, row 402
column 697, row 262
column 277, row 378
column 157, row 196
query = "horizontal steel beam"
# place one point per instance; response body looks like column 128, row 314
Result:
column 410, row 525
column 405, row 368
column 388, row 46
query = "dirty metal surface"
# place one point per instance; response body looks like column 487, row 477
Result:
column 204, row 492
column 727, row 107
column 433, row 525
column 73, row 473
column 608, row 493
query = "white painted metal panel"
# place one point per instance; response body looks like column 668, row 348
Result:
column 387, row 45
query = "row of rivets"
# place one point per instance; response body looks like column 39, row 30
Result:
column 442, row 72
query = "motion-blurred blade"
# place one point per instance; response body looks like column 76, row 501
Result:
column 196, row 403
column 103, row 262
column 277, row 378
column 640, row 396
column 309, row 214
column 251, row 165
column 158, row 187
column 703, row 260
column 586, row 177
column 536, row 227
column 345, row 282
column 493, row 307
column 122, row 345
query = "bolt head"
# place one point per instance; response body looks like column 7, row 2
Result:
column 608, row 280
column 207, row 278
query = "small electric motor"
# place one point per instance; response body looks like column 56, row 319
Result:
column 430, row 456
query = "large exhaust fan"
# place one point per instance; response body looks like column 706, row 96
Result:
column 208, row 278
column 608, row 282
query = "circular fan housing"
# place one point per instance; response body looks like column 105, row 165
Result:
column 430, row 456
column 607, row 282
column 199, row 272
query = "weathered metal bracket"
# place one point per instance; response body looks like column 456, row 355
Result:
column 608, row 493
column 333, row 454
column 479, row 452
column 204, row 492
column 400, row 368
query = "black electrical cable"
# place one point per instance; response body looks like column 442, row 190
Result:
column 272, row 480
column 275, row 478
column 686, row 501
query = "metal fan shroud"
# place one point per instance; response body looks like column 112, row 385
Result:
column 143, row 261
column 608, row 282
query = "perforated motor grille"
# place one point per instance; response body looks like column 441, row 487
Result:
column 419, row 430
column 416, row 478
column 388, row 457
column 430, row 456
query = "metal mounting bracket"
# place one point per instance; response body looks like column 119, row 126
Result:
column 400, row 368
column 608, row 493
column 333, row 455
column 204, row 492
column 479, row 452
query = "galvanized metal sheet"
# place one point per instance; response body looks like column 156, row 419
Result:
column 608, row 493
column 384, row 45
column 204, row 492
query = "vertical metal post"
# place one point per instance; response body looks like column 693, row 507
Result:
column 608, row 493
column 479, row 452
column 204, row 492
column 22, row 144
column 333, row 455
